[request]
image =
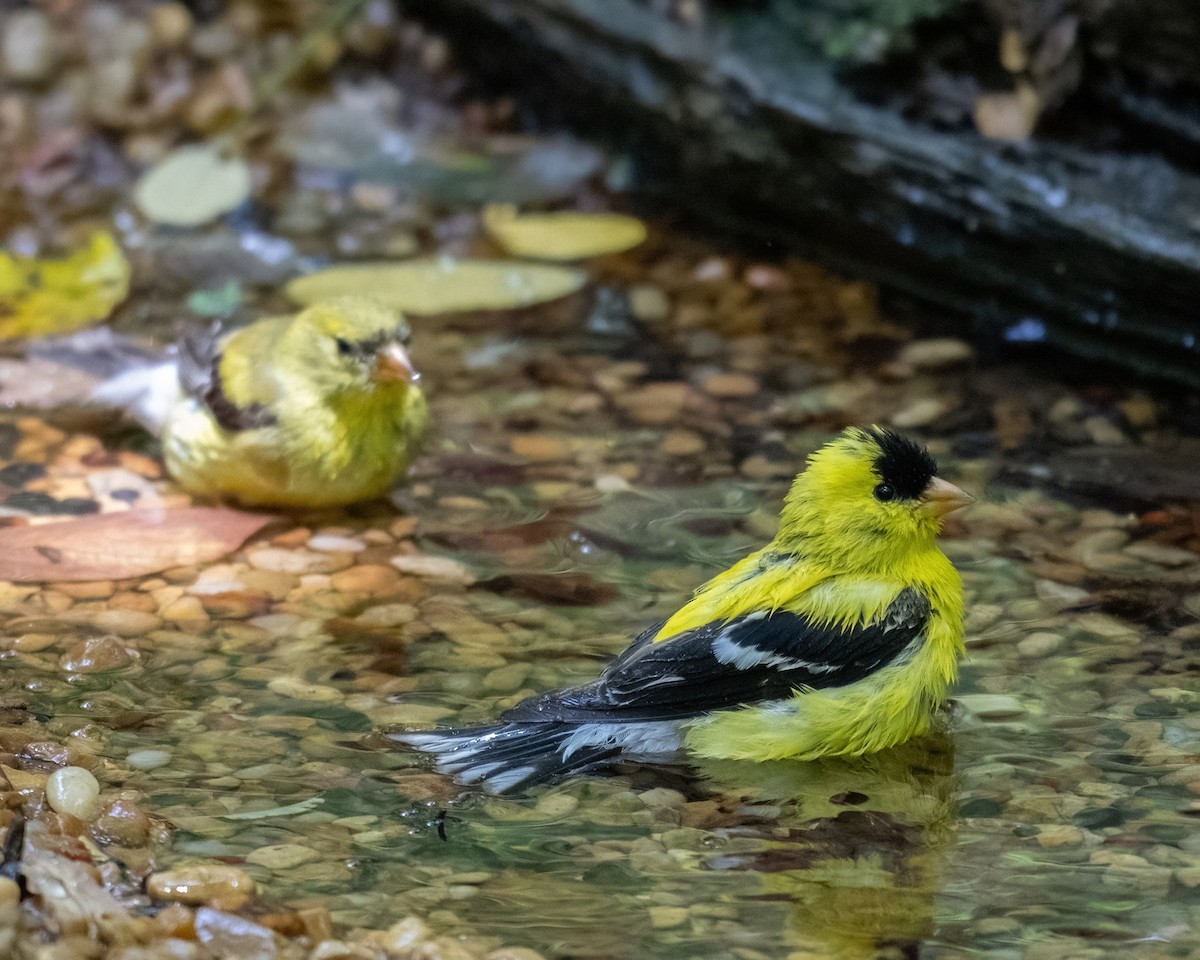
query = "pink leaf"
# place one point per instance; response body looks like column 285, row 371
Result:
column 115, row 546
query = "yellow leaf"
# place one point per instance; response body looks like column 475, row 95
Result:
column 441, row 285
column 39, row 297
column 562, row 236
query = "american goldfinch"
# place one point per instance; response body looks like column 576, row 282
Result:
column 839, row 637
column 312, row 410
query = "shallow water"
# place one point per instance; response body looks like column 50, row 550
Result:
column 1051, row 816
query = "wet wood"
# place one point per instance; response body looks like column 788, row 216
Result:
column 739, row 123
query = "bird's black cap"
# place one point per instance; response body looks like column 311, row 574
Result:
column 906, row 467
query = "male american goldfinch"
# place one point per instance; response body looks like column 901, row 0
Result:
column 317, row 409
column 839, row 637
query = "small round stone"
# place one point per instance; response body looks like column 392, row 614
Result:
column 327, row 543
column 936, row 354
column 148, row 759
column 387, row 615
column 425, row 565
column 75, row 792
column 297, row 689
column 95, row 655
column 731, row 385
column 200, row 883
column 282, row 856
column 1040, row 644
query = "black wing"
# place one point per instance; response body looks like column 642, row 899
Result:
column 199, row 375
column 746, row 660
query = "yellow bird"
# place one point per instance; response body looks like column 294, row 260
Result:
column 840, row 637
column 313, row 410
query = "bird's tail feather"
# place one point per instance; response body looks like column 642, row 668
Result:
column 141, row 382
column 506, row 756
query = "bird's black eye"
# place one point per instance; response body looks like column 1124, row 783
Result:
column 344, row 347
column 884, row 492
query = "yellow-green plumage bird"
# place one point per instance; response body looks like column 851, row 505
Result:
column 317, row 409
column 839, row 637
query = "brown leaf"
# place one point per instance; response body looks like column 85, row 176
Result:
column 567, row 589
column 115, row 546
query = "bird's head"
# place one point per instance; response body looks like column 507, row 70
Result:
column 353, row 344
column 869, row 491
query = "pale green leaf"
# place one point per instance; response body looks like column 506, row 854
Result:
column 192, row 185
column 441, row 285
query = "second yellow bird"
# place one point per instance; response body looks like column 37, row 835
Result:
column 313, row 410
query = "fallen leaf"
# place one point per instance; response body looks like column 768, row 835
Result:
column 192, row 186
column 567, row 589
column 115, row 546
column 561, row 236
column 442, row 285
column 39, row 297
column 216, row 301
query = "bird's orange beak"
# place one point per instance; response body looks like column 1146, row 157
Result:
column 940, row 497
column 392, row 365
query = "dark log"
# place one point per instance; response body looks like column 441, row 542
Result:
column 770, row 120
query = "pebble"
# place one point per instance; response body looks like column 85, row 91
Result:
column 649, row 303
column 1059, row 594
column 660, row 797
column 990, row 706
column 1140, row 411
column 123, row 822
column 514, row 953
column 935, row 354
column 184, row 608
column 682, row 443
column 557, row 805
column 664, row 918
column 74, row 791
column 297, row 689
column 1060, row 835
column 1103, row 431
column 1161, row 554
column 28, row 51
column 438, row 568
column 87, row 589
column 227, row 935
column 728, row 386
column 170, row 24
column 405, row 935
column 387, row 615
column 282, row 856
column 372, row 578
column 539, row 446
column 96, row 654
column 654, row 403
column 920, row 413
column 280, row 560
column 148, row 759
column 327, row 544
column 1040, row 644
column 125, row 623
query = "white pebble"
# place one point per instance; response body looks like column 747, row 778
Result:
column 148, row 759
column 327, row 543
column 439, row 568
column 75, row 792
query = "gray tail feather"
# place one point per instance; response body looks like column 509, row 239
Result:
column 140, row 381
column 506, row 756
column 99, row 352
